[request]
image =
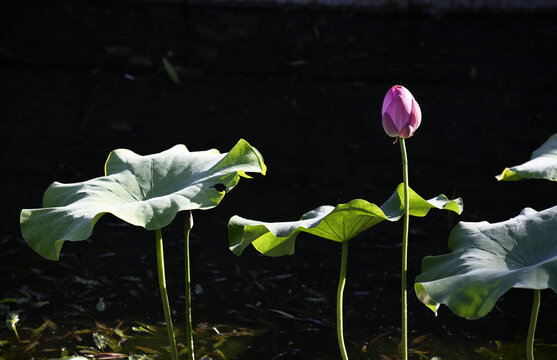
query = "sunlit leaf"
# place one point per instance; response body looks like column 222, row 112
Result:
column 542, row 164
column 338, row 223
column 486, row 260
column 119, row 332
column 145, row 191
column 140, row 357
column 172, row 74
column 100, row 340
column 11, row 322
column 145, row 329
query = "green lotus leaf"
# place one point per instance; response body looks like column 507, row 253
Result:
column 145, row 191
column 489, row 259
column 338, row 223
column 542, row 164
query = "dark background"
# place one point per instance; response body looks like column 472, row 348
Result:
column 304, row 86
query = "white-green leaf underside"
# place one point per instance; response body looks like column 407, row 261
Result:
column 542, row 164
column 145, row 191
column 486, row 260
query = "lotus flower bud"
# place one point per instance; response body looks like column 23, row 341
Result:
column 401, row 113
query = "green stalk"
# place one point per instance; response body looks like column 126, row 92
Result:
column 164, row 296
column 532, row 327
column 404, row 270
column 189, row 332
column 340, row 291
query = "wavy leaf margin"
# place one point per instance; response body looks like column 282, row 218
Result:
column 337, row 223
column 542, row 164
column 486, row 260
column 146, row 191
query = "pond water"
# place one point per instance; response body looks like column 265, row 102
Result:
column 305, row 88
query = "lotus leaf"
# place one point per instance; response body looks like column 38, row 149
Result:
column 145, row 191
column 542, row 164
column 338, row 223
column 489, row 259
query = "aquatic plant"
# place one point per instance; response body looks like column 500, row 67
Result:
column 146, row 191
column 401, row 116
column 339, row 223
column 542, row 164
column 486, row 260
column 123, row 340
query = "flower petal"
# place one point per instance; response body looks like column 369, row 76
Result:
column 387, row 100
column 389, row 126
column 415, row 115
column 399, row 111
column 407, row 131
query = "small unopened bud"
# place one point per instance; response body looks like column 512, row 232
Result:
column 401, row 114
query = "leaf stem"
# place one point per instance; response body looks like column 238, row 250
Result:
column 189, row 331
column 164, row 296
column 340, row 291
column 404, row 269
column 532, row 327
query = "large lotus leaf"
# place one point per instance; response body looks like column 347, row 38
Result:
column 338, row 223
column 488, row 259
column 144, row 191
column 542, row 164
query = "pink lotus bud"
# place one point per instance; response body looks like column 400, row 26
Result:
column 401, row 113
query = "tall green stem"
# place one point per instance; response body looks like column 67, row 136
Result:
column 404, row 270
column 340, row 291
column 189, row 330
column 532, row 327
column 164, row 296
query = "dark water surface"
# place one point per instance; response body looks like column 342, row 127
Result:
column 305, row 87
